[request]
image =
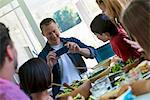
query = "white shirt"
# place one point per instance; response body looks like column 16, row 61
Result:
column 69, row 73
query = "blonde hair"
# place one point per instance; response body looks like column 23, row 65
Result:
column 136, row 19
column 124, row 2
column 113, row 8
column 99, row 1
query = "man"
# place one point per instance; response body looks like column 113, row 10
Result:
column 8, row 65
column 64, row 67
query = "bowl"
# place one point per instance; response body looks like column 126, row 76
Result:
column 102, row 74
column 83, row 90
column 104, row 63
column 131, row 65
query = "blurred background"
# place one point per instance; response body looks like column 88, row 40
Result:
column 24, row 16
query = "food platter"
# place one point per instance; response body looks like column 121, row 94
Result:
column 101, row 71
column 84, row 90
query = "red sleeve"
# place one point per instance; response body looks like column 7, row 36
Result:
column 123, row 49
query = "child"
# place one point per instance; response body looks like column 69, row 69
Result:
column 103, row 27
column 35, row 79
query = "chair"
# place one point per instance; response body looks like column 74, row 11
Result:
column 104, row 52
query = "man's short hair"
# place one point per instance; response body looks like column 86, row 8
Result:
column 46, row 22
column 5, row 40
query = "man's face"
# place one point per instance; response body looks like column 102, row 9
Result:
column 52, row 33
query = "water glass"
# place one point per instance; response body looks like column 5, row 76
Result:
column 101, row 86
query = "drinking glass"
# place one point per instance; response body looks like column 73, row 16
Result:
column 101, row 86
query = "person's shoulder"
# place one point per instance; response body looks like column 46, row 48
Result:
column 13, row 95
column 6, row 84
column 45, row 47
column 42, row 54
column 117, row 39
column 120, row 35
column 11, row 91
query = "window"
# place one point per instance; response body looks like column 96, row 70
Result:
column 20, row 31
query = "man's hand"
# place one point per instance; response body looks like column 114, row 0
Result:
column 51, row 59
column 73, row 47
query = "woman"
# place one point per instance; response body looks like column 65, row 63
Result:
column 112, row 8
column 136, row 19
column 35, row 79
